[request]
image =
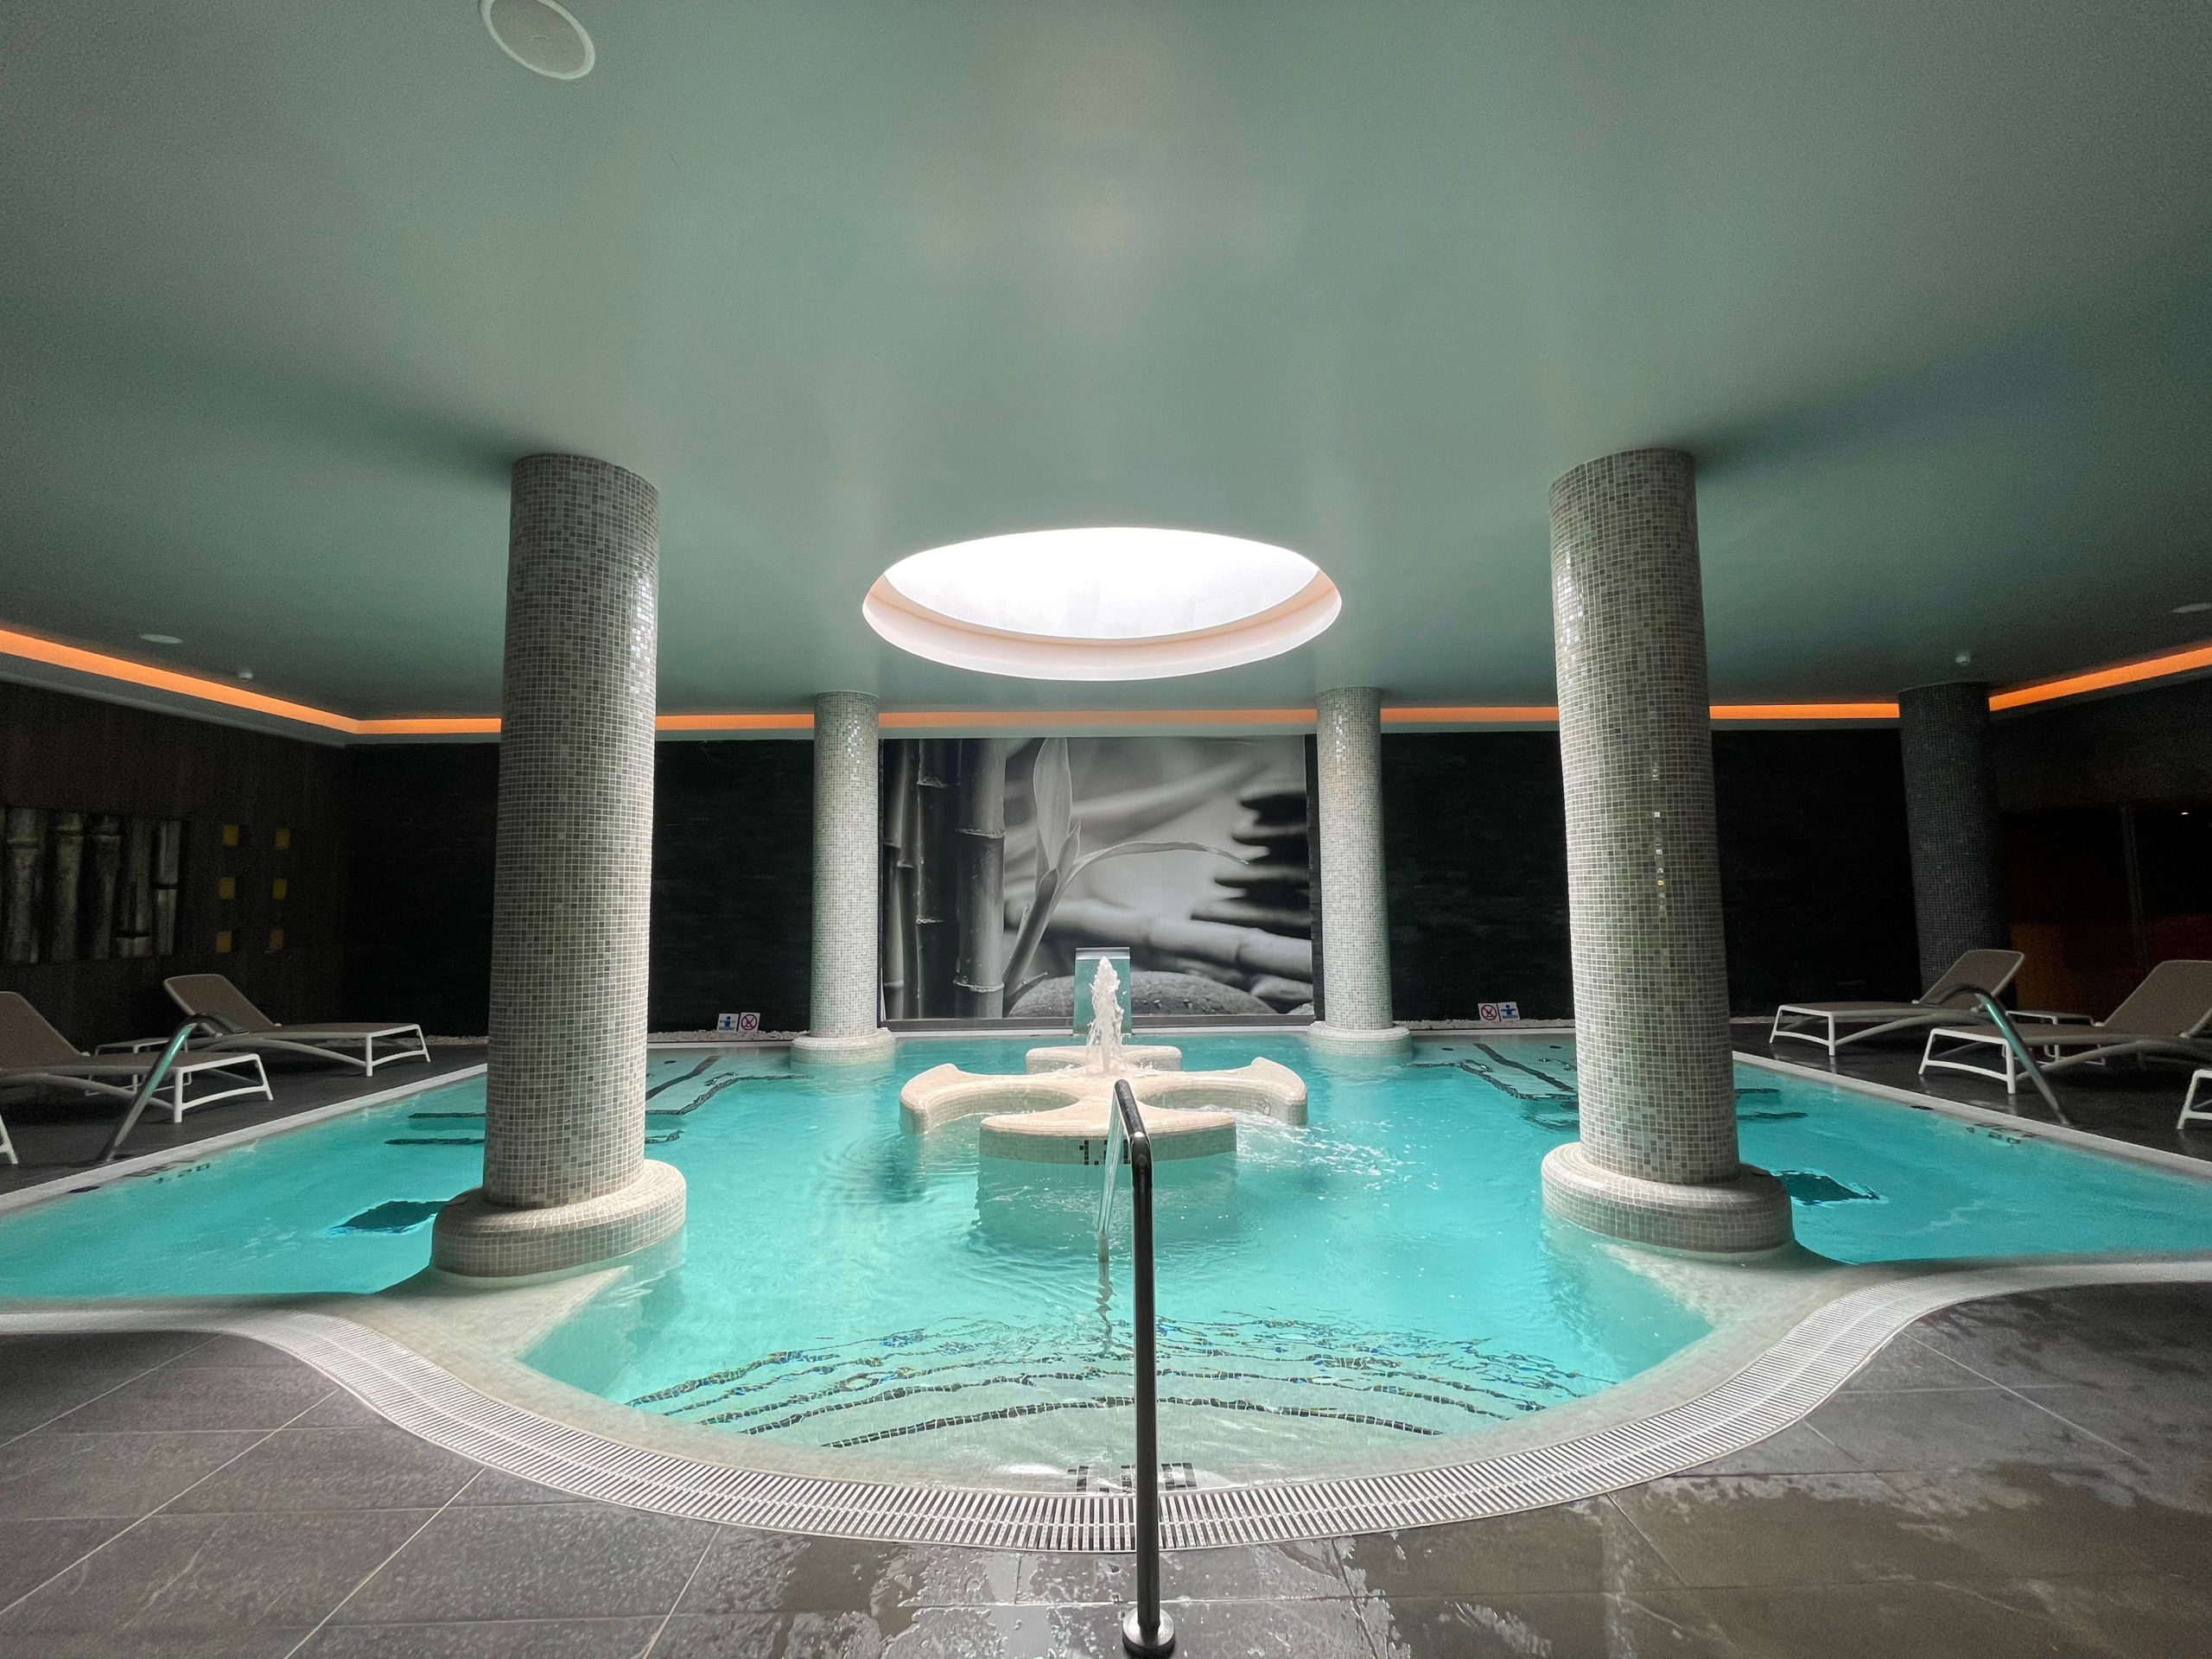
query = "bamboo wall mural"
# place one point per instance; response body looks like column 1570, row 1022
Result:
column 1002, row 859
column 88, row 886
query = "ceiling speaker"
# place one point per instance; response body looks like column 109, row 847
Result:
column 542, row 36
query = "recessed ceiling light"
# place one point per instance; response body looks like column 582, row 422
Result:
column 160, row 638
column 542, row 36
column 245, row 673
column 2193, row 608
column 1963, row 658
column 1104, row 604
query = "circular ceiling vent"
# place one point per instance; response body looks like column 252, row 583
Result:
column 541, row 35
column 1107, row 604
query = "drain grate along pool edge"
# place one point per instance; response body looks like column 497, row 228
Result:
column 1774, row 1390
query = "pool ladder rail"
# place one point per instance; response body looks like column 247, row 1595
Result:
column 1993, row 1011
column 213, row 1025
column 1146, row 1631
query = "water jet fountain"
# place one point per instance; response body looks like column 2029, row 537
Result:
column 1056, row 1111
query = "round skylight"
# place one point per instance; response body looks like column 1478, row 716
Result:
column 1106, row 604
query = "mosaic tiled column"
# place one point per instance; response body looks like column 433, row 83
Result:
column 566, row 1179
column 842, row 1024
column 1656, row 1162
column 1348, row 767
column 1950, row 810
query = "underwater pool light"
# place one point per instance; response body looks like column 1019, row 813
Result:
column 1117, row 603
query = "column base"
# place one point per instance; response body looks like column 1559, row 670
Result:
column 1736, row 1217
column 1336, row 1039
column 870, row 1048
column 476, row 1238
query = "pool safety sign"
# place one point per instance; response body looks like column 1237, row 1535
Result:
column 745, row 1025
column 1493, row 1013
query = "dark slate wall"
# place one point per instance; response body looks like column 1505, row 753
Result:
column 1474, row 831
column 732, row 861
column 77, row 755
column 2135, row 748
column 1815, row 871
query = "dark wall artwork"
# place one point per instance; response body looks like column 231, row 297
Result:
column 1814, row 878
column 139, row 845
column 733, row 864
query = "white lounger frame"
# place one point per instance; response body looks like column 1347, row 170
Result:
column 174, row 1098
column 2191, row 1111
column 1967, row 1037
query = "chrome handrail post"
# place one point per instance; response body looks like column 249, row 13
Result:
column 151, row 1086
column 1146, row 1631
column 1993, row 1011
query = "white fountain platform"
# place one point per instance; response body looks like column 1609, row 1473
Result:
column 1056, row 1113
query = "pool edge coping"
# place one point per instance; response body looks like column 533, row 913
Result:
column 1991, row 1117
column 92, row 1176
column 1776, row 1387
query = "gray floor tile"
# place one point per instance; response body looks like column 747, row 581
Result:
column 2023, row 1522
column 577, row 1638
column 1267, row 1630
column 1521, row 1626
column 1289, row 1572
column 191, row 1572
column 240, row 1641
column 28, row 1402
column 774, row 1636
column 123, row 1352
column 534, row 1561
column 53, row 1474
column 2158, row 1616
column 1896, row 1620
column 224, row 1350
column 2022, row 1340
column 342, row 1410
column 1794, row 1530
column 1801, row 1449
column 252, row 1396
column 497, row 1486
column 1909, row 1364
column 2166, row 1426
column 747, row 1571
column 1955, row 1430
column 334, row 1469
column 1588, row 1546
column 32, row 1552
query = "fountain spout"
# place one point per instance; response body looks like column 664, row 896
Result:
column 1103, row 1048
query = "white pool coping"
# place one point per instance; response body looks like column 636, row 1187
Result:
column 1779, row 1387
column 422, row 1362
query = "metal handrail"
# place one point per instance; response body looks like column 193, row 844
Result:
column 152, row 1084
column 1146, row 1631
column 1993, row 1011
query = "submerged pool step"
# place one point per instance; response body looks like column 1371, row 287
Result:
column 1358, row 1384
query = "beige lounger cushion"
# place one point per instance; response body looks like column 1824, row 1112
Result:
column 213, row 993
column 1981, row 970
column 26, row 1039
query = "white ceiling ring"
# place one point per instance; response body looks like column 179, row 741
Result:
column 542, row 36
column 1110, row 603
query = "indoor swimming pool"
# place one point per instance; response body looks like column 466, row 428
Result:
column 1380, row 1279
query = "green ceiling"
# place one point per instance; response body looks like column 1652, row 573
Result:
column 1927, row 289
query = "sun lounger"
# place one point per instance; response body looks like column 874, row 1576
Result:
column 2167, row 1014
column 213, row 994
column 33, row 1051
column 1947, row 999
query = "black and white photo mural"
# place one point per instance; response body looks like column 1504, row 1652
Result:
column 1002, row 859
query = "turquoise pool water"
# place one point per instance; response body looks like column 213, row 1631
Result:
column 1377, row 1278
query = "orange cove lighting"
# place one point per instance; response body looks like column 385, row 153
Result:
column 30, row 647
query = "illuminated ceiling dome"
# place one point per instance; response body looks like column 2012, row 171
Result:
column 1105, row 604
